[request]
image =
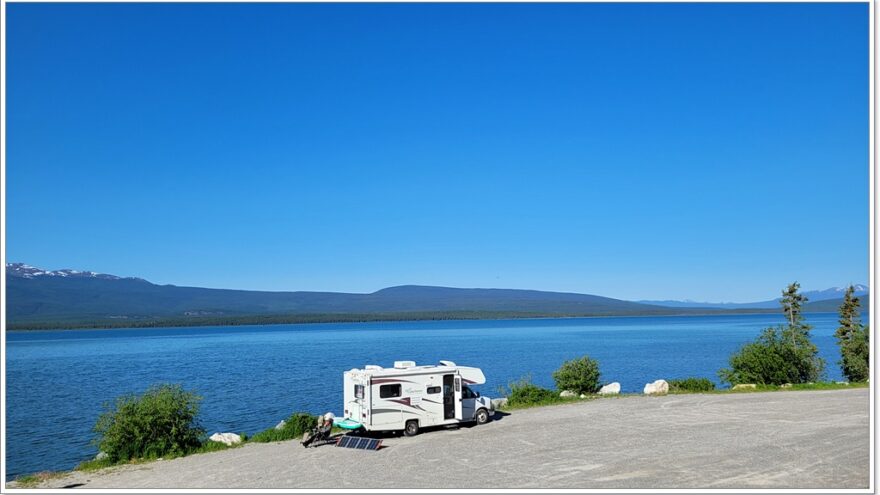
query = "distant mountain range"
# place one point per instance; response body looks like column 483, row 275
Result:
column 38, row 298
column 834, row 293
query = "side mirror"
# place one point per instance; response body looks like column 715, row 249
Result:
column 477, row 394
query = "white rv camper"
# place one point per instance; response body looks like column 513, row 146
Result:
column 408, row 397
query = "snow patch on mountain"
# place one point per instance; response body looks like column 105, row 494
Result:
column 23, row 270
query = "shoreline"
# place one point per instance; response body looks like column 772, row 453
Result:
column 834, row 444
column 764, row 389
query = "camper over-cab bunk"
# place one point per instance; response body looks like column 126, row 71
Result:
column 409, row 397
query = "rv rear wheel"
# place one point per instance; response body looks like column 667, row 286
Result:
column 482, row 417
column 412, row 428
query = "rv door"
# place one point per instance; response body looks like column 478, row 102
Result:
column 357, row 407
column 458, row 413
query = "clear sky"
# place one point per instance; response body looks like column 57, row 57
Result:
column 711, row 152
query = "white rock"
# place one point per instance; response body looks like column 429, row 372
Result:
column 280, row 425
column 499, row 403
column 227, row 438
column 567, row 393
column 610, row 389
column 101, row 456
column 744, row 386
column 583, row 396
column 785, row 385
column 658, row 387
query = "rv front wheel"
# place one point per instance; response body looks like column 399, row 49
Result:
column 412, row 428
column 482, row 417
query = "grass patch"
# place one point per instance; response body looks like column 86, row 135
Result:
column 206, row 446
column 32, row 480
column 212, row 446
column 690, row 385
column 294, row 427
column 828, row 385
column 541, row 399
column 797, row 386
column 93, row 465
column 523, row 394
column 549, row 402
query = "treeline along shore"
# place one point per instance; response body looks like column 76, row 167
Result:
column 282, row 319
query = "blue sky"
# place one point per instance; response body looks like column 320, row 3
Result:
column 711, row 152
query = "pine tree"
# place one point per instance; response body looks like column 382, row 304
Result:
column 852, row 337
column 791, row 302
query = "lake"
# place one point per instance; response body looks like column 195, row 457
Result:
column 251, row 377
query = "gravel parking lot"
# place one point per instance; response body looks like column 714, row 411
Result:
column 816, row 439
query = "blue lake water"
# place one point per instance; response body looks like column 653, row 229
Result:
column 253, row 376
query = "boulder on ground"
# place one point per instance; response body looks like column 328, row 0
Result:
column 227, row 438
column 785, row 385
column 658, row 387
column 280, row 425
column 744, row 386
column 842, row 383
column 567, row 393
column 499, row 403
column 584, row 396
column 101, row 456
column 610, row 389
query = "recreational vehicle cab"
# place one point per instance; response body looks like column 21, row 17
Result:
column 408, row 397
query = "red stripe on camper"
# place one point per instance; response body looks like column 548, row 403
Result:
column 389, row 380
column 406, row 402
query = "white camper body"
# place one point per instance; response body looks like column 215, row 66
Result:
column 408, row 397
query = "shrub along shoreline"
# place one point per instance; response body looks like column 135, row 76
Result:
column 162, row 423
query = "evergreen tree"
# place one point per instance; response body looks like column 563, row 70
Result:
column 853, row 339
column 784, row 354
column 791, row 302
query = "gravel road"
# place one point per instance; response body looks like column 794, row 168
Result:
column 816, row 439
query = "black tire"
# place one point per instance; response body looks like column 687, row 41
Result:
column 482, row 417
column 412, row 428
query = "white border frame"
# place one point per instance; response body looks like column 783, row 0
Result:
column 872, row 267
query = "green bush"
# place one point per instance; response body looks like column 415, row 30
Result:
column 691, row 385
column 580, row 376
column 779, row 355
column 160, row 422
column 212, row 446
column 294, row 427
column 856, row 356
column 526, row 393
column 854, row 340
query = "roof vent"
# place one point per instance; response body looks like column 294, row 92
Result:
column 447, row 363
column 404, row 364
column 372, row 367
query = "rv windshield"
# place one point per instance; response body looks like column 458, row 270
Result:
column 467, row 393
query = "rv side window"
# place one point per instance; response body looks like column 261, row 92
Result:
column 359, row 391
column 388, row 391
column 433, row 390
